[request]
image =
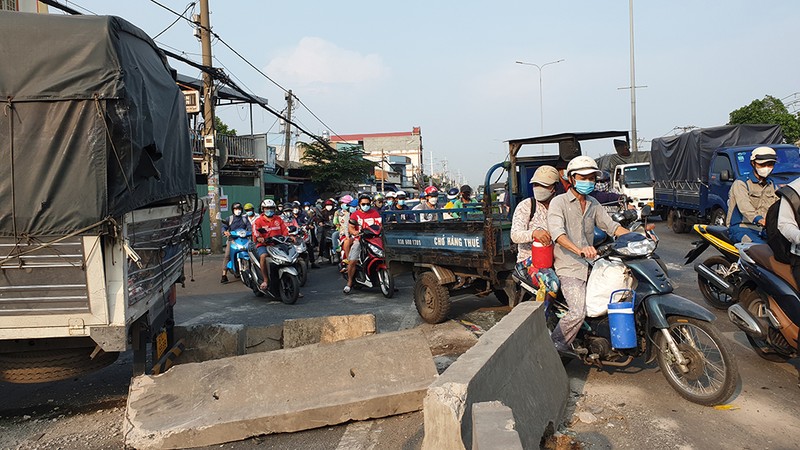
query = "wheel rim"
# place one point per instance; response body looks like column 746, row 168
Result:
column 429, row 298
column 707, row 367
column 383, row 277
column 712, row 290
column 286, row 286
column 756, row 308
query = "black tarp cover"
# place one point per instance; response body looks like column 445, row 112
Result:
column 94, row 120
column 688, row 155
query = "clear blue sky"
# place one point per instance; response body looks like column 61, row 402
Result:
column 448, row 66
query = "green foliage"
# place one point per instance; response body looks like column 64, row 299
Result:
column 769, row 110
column 222, row 128
column 336, row 170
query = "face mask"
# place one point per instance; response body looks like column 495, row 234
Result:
column 250, row 213
column 584, row 187
column 270, row 212
column 542, row 194
column 237, row 212
column 401, row 202
column 764, row 172
column 564, row 176
column 306, row 208
column 296, row 211
column 364, row 208
column 390, row 202
column 352, row 209
column 432, row 200
column 329, row 207
column 344, row 207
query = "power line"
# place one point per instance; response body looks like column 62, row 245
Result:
column 191, row 5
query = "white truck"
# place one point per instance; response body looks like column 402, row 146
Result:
column 98, row 187
column 635, row 182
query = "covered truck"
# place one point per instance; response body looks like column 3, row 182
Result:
column 694, row 171
column 98, row 187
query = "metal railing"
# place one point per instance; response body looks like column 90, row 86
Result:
column 237, row 146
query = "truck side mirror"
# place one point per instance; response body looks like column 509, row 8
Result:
column 725, row 175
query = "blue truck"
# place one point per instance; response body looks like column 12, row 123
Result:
column 694, row 171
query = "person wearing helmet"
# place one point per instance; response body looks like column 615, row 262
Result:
column 391, row 200
column 379, row 201
column 250, row 212
column 571, row 219
column 235, row 221
column 269, row 224
column 429, row 200
column 529, row 222
column 340, row 220
column 400, row 205
column 365, row 216
column 452, row 197
column 750, row 197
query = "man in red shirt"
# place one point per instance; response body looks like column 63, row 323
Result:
column 364, row 216
column 267, row 225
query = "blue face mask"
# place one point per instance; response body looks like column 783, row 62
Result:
column 352, row 209
column 401, row 202
column 344, row 207
column 390, row 202
column 269, row 212
column 250, row 213
column 364, row 208
column 584, row 187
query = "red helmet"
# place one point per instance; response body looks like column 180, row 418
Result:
column 431, row 191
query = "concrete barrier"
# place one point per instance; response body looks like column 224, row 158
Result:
column 515, row 363
column 493, row 427
column 312, row 330
column 288, row 390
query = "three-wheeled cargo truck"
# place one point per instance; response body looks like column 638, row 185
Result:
column 472, row 253
column 98, row 187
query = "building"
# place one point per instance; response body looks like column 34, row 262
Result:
column 384, row 147
column 29, row 6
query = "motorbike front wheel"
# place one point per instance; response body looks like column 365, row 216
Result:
column 289, row 288
column 386, row 282
column 302, row 271
column 711, row 293
column 712, row 373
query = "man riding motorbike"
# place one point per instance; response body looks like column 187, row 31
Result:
column 236, row 221
column 365, row 216
column 266, row 226
column 750, row 197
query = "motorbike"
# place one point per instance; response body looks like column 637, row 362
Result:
column 768, row 310
column 301, row 239
column 239, row 243
column 283, row 282
column 719, row 275
column 327, row 246
column 371, row 266
column 663, row 326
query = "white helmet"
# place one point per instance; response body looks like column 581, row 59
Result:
column 763, row 154
column 268, row 203
column 583, row 165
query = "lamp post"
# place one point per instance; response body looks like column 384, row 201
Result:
column 541, row 103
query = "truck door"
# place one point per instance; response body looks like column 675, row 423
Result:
column 617, row 182
column 720, row 179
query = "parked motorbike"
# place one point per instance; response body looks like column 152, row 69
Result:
column 662, row 325
column 768, row 310
column 301, row 240
column 238, row 244
column 719, row 275
column 371, row 267
column 283, row 278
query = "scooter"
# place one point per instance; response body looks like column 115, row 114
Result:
column 768, row 310
column 327, row 246
column 300, row 238
column 283, row 279
column 719, row 275
column 661, row 325
column 238, row 244
column 371, row 267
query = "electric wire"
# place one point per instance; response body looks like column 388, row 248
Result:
column 190, row 5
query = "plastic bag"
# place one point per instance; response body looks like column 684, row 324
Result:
column 607, row 276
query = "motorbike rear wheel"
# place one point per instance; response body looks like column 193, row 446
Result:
column 711, row 293
column 754, row 304
column 302, row 271
column 713, row 374
column 289, row 288
column 386, row 282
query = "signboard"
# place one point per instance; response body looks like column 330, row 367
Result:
column 223, row 202
column 192, row 101
column 441, row 241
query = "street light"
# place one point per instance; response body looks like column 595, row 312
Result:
column 541, row 108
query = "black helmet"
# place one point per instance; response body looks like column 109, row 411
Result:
column 465, row 189
column 236, row 205
column 364, row 195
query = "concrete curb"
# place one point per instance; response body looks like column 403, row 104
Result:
column 515, row 363
column 493, row 427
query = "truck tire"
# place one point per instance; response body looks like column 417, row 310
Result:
column 431, row 299
column 51, row 365
column 677, row 224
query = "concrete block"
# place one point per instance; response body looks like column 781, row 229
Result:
column 262, row 339
column 205, row 342
column 515, row 363
column 287, row 390
column 493, row 427
column 298, row 332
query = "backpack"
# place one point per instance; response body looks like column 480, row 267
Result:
column 781, row 247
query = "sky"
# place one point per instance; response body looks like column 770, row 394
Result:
column 449, row 66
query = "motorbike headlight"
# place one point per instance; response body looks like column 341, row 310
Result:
column 375, row 249
column 637, row 248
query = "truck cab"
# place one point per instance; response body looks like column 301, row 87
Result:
column 635, row 182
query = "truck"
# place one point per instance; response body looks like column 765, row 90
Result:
column 694, row 171
column 472, row 254
column 635, row 183
column 98, row 187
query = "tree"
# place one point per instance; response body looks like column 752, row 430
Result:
column 769, row 110
column 336, row 170
column 222, row 128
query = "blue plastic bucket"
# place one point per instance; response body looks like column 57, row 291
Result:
column 622, row 325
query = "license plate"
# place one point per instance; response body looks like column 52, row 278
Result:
column 161, row 344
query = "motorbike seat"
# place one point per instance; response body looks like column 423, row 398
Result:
column 762, row 255
column 719, row 232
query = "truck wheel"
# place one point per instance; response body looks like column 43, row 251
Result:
column 718, row 217
column 431, row 299
column 677, row 224
column 51, row 365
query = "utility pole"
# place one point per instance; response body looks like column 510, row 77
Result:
column 287, row 141
column 209, row 134
column 430, row 177
column 383, row 173
column 633, row 85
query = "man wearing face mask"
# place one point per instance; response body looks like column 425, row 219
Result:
column 249, row 211
column 391, row 199
column 750, row 198
column 428, row 202
column 530, row 216
column 401, row 206
column 364, row 216
column 268, row 224
column 571, row 219
column 236, row 221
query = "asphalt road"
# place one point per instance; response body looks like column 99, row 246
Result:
column 634, row 407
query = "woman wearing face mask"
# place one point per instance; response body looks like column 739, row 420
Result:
column 236, row 221
column 428, row 202
column 530, row 216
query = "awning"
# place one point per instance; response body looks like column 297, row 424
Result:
column 270, row 178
